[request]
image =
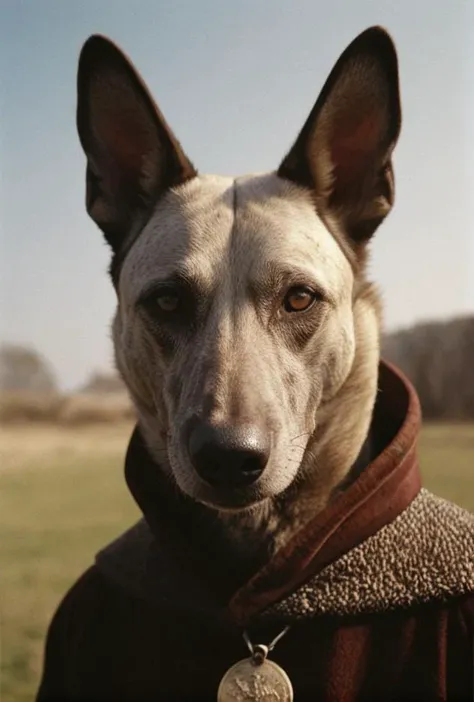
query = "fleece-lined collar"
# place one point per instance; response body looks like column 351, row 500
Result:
column 161, row 558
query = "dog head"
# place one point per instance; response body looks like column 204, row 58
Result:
column 242, row 305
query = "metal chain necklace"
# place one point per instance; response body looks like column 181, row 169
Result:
column 256, row 679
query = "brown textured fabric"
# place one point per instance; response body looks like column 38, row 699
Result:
column 426, row 554
column 112, row 639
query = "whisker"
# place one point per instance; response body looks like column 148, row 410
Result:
column 306, row 433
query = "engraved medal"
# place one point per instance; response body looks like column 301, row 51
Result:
column 256, row 679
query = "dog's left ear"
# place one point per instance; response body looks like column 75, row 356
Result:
column 132, row 154
column 343, row 153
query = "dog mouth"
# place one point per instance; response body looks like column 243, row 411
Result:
column 224, row 466
column 230, row 500
column 257, row 488
column 231, row 469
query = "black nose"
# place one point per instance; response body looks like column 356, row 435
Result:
column 228, row 457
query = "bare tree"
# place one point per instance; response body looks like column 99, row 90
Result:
column 438, row 357
column 24, row 369
column 103, row 383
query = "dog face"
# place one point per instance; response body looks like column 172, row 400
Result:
column 240, row 301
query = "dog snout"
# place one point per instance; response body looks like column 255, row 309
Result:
column 228, row 457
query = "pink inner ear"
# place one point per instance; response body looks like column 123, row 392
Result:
column 354, row 143
column 126, row 140
column 121, row 125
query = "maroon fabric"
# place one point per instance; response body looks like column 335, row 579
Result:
column 105, row 644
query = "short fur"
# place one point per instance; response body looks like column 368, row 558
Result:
column 230, row 250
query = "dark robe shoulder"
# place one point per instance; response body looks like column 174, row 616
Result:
column 106, row 645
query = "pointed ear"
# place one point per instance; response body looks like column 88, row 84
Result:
column 132, row 154
column 343, row 153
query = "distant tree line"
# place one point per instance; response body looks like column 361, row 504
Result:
column 438, row 357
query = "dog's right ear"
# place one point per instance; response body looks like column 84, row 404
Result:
column 132, row 154
column 343, row 153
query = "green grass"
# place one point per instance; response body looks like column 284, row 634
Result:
column 62, row 502
column 54, row 516
column 447, row 461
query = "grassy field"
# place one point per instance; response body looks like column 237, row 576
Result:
column 62, row 496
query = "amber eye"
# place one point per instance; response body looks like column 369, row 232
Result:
column 299, row 299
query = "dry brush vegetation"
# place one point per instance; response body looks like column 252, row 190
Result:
column 66, row 410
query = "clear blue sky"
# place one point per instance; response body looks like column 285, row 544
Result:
column 236, row 81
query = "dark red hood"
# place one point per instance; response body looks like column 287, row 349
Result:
column 381, row 492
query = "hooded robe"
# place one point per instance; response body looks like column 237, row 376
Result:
column 378, row 590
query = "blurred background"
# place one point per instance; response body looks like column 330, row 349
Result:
column 236, row 81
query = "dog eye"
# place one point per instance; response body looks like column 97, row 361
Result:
column 167, row 301
column 299, row 299
column 163, row 301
